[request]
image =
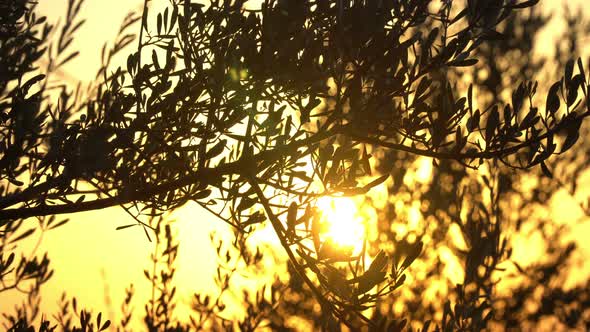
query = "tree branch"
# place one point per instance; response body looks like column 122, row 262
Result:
column 199, row 176
column 280, row 229
column 486, row 154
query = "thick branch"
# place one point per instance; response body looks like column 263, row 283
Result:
column 199, row 176
column 144, row 193
column 31, row 192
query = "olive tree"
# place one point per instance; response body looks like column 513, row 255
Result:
column 254, row 113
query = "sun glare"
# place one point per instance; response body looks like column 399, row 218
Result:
column 345, row 226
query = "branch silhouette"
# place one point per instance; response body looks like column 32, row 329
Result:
column 256, row 113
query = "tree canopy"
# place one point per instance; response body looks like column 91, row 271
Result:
column 255, row 113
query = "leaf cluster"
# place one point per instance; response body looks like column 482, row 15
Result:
column 255, row 113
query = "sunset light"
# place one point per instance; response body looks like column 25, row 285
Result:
column 345, row 226
column 287, row 165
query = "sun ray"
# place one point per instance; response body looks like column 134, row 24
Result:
column 345, row 226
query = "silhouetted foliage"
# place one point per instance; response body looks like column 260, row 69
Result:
column 255, row 113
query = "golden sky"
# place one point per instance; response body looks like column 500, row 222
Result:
column 88, row 254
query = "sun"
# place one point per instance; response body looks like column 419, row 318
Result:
column 345, row 226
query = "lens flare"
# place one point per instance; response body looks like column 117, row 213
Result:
column 345, row 226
